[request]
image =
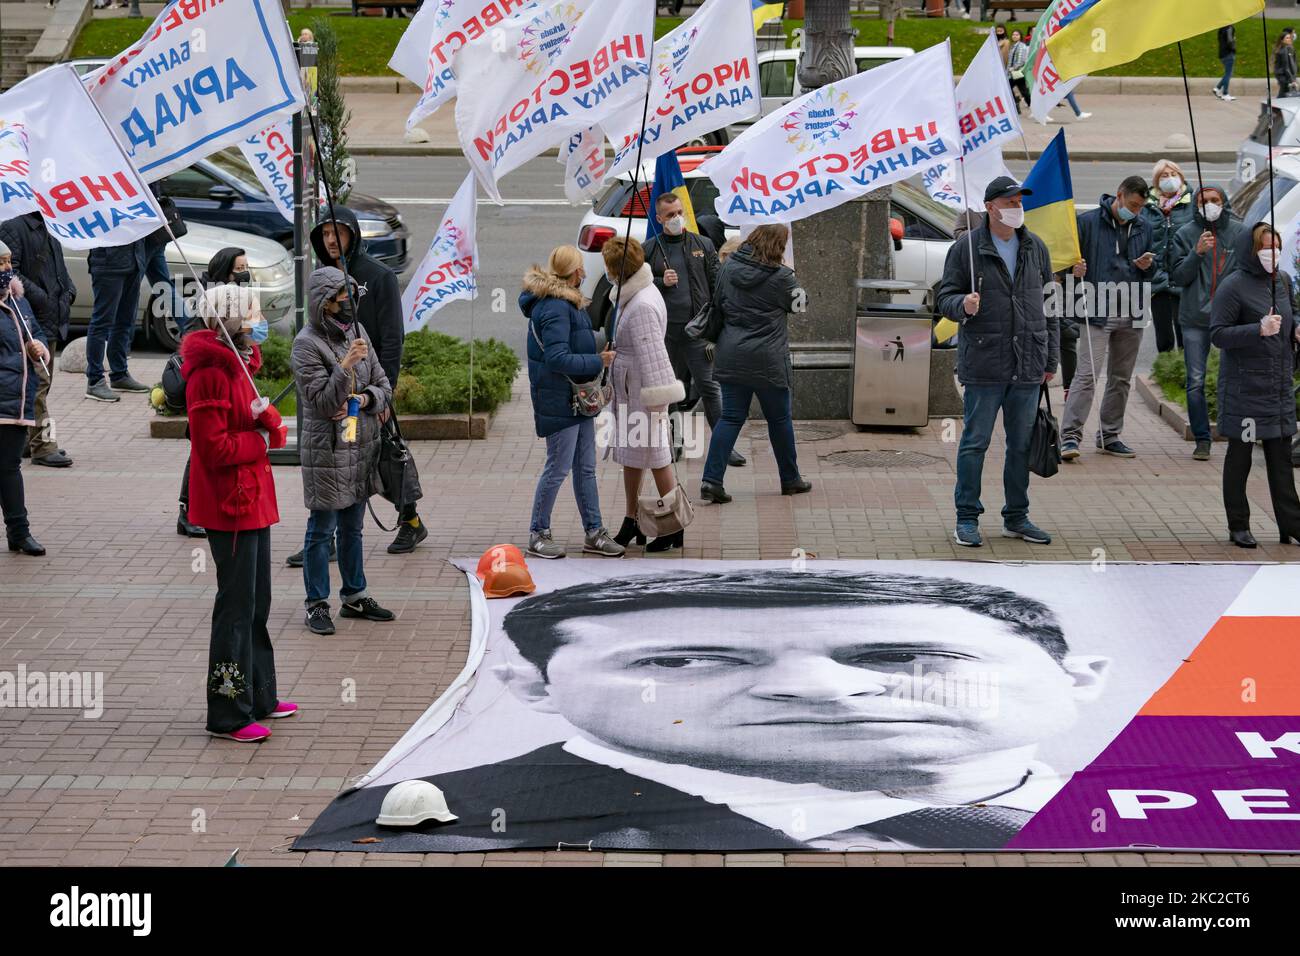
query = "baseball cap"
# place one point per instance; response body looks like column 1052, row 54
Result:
column 1005, row 186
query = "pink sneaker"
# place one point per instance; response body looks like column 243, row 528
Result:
column 286, row 708
column 249, row 734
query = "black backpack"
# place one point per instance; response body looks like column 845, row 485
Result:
column 173, row 385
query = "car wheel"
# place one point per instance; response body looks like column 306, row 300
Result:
column 162, row 325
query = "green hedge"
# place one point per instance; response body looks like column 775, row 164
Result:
column 436, row 376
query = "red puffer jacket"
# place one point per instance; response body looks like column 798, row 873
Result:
column 231, row 488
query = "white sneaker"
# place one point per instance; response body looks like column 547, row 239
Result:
column 1228, row 97
column 1218, row 92
column 1083, row 116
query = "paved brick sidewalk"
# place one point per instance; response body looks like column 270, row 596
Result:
column 120, row 593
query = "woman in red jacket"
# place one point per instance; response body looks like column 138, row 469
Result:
column 232, row 495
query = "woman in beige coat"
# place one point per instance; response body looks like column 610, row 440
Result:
column 644, row 384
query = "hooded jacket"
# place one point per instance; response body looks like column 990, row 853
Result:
column 221, row 266
column 18, row 378
column 231, row 488
column 38, row 260
column 1163, row 230
column 1011, row 340
column 754, row 299
column 1198, row 278
column 335, row 474
column 1109, row 247
column 1255, row 371
column 559, row 343
column 379, row 303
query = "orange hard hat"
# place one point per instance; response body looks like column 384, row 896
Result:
column 508, row 580
column 498, row 556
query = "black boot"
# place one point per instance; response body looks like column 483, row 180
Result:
column 1244, row 539
column 666, row 542
column 629, row 532
column 27, row 545
column 184, row 528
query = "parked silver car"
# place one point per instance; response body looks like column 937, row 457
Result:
column 270, row 263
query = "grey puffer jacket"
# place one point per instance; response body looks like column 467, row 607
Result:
column 335, row 474
column 754, row 298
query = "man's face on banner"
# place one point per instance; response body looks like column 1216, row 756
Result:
column 810, row 694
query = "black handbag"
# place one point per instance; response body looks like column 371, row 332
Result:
column 1045, row 442
column 173, row 384
column 399, row 479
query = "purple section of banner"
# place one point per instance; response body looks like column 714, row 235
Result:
column 1217, row 789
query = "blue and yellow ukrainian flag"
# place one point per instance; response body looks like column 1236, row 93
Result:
column 1105, row 33
column 1049, row 212
column 765, row 11
column 668, row 179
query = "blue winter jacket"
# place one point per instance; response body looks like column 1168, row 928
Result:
column 1109, row 247
column 18, row 378
column 568, row 348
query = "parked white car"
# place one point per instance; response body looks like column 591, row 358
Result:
column 1252, row 154
column 270, row 263
column 927, row 225
column 1250, row 202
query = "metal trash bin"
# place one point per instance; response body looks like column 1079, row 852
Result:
column 891, row 365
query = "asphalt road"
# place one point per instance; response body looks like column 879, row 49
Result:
column 536, row 218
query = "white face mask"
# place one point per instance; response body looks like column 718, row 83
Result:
column 1170, row 185
column 675, row 226
column 1013, row 216
column 1268, row 259
column 1212, row 211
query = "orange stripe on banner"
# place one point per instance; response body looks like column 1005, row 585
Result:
column 1245, row 667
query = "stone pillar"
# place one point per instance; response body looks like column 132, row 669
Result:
column 828, row 37
column 832, row 251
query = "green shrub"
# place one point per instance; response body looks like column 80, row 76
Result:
column 435, row 374
column 275, row 357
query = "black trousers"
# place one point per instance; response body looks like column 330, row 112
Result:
column 13, row 438
column 1020, row 90
column 1069, row 358
column 1281, row 484
column 241, row 663
column 1164, row 316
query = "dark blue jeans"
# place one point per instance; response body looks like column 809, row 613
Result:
column 775, row 403
column 1018, row 404
column 157, row 273
column 1228, row 62
column 1196, row 352
column 321, row 526
column 116, row 301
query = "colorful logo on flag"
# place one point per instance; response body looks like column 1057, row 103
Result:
column 825, row 116
column 548, row 33
column 669, row 56
column 443, row 13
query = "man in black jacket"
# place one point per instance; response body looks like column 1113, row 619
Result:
column 38, row 260
column 379, row 310
column 1008, row 349
column 1228, row 57
column 685, row 267
column 115, row 274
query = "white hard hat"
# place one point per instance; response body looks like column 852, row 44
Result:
column 411, row 803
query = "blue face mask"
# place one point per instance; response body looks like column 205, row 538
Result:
column 259, row 331
column 1125, row 214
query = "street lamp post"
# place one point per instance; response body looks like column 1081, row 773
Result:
column 827, row 44
column 134, row 13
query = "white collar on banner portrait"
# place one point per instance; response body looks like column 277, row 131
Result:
column 821, row 810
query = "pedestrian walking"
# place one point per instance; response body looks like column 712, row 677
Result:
column 1284, row 63
column 115, row 274
column 1008, row 349
column 1228, row 57
column 344, row 395
column 1168, row 209
column 1118, row 265
column 756, row 294
column 1253, row 324
column 22, row 350
column 1205, row 254
column 1004, row 43
column 231, row 430
column 1017, row 66
column 644, row 386
column 38, row 262
column 561, row 349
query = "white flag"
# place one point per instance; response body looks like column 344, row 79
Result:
column 841, row 141
column 946, row 183
column 270, row 152
column 446, row 273
column 546, row 74
column 204, row 76
column 1047, row 88
column 984, row 104
column 437, row 31
column 58, row 157
column 585, row 165
column 704, row 77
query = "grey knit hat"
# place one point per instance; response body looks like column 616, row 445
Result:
column 4, row 250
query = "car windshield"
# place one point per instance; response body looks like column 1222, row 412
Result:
column 1260, row 134
column 935, row 213
column 231, row 162
column 1254, row 198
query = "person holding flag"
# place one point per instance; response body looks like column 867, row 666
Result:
column 1008, row 351
column 22, row 350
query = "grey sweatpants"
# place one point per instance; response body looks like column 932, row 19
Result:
column 1115, row 351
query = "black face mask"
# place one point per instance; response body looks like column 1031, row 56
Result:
column 344, row 316
column 241, row 278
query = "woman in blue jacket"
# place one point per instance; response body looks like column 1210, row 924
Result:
column 562, row 351
column 22, row 349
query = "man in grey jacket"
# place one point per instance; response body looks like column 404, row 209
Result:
column 1008, row 349
column 332, row 363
